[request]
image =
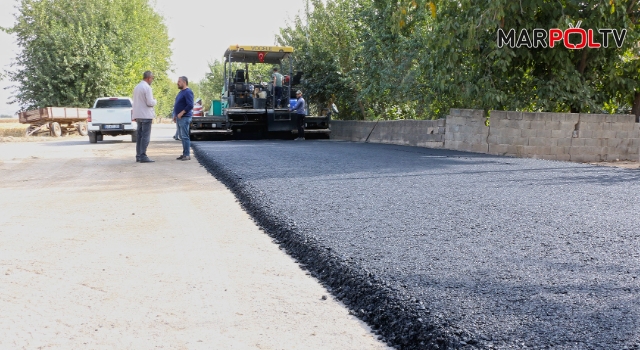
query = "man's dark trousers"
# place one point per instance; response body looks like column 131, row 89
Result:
column 278, row 94
column 143, row 137
column 300, row 125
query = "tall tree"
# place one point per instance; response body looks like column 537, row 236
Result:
column 467, row 64
column 418, row 58
column 74, row 51
column 327, row 44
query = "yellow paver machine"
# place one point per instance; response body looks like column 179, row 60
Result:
column 248, row 103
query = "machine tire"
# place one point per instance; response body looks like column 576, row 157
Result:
column 82, row 129
column 55, row 129
column 93, row 138
column 134, row 136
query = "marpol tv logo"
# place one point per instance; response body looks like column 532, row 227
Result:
column 574, row 38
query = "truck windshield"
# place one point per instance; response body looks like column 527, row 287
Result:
column 118, row 103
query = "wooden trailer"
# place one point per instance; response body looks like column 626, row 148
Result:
column 55, row 120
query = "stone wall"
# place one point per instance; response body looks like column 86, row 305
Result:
column 555, row 136
column 348, row 130
column 606, row 137
column 466, row 131
column 538, row 135
column 564, row 136
column 422, row 133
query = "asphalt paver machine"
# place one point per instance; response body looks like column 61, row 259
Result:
column 248, row 102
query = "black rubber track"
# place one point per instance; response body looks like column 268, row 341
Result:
column 438, row 249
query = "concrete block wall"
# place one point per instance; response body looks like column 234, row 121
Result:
column 534, row 135
column 422, row 133
column 555, row 136
column 564, row 136
column 348, row 130
column 466, row 131
column 606, row 137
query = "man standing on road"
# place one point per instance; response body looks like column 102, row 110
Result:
column 143, row 114
column 300, row 110
column 182, row 111
column 277, row 86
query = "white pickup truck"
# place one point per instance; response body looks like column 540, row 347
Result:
column 111, row 116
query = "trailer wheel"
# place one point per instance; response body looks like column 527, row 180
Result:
column 93, row 138
column 29, row 130
column 55, row 129
column 134, row 136
column 82, row 129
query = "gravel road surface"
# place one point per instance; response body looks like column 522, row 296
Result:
column 440, row 249
column 99, row 252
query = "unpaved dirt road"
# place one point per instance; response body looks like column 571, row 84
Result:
column 97, row 251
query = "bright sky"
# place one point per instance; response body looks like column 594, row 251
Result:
column 201, row 31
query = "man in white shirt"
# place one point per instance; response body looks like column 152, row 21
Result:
column 143, row 114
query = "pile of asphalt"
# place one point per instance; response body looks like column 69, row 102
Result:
column 438, row 249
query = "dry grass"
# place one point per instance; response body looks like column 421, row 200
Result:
column 11, row 127
column 12, row 131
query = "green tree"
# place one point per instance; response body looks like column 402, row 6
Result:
column 74, row 51
column 418, row 58
column 165, row 92
column 327, row 50
column 468, row 66
column 211, row 85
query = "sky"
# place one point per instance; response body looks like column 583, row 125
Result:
column 201, row 31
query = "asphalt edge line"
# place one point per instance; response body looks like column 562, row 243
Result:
column 396, row 319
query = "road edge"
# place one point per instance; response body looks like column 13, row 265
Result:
column 397, row 320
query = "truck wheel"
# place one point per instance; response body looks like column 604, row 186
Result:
column 55, row 129
column 134, row 136
column 93, row 138
column 82, row 129
column 99, row 137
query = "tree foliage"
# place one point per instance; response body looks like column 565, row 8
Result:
column 74, row 51
column 328, row 51
column 418, row 58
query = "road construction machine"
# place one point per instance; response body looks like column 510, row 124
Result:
column 248, row 105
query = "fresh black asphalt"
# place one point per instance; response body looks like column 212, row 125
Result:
column 438, row 249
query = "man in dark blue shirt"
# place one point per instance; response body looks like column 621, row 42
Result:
column 182, row 111
column 301, row 111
